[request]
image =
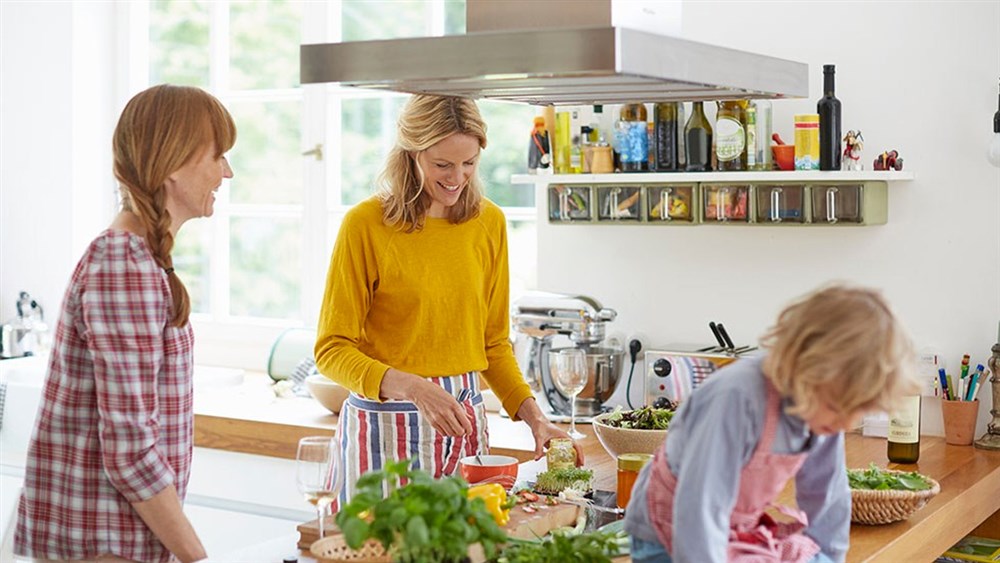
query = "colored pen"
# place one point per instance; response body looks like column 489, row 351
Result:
column 965, row 366
column 977, row 378
column 975, row 396
column 952, row 390
column 944, row 382
column 972, row 386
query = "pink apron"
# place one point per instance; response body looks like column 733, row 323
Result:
column 754, row 536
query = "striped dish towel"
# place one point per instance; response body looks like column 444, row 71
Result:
column 305, row 368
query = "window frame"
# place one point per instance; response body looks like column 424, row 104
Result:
column 245, row 341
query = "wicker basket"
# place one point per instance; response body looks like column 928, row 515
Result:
column 883, row 507
column 334, row 549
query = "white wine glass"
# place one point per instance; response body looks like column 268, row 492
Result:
column 318, row 473
column 569, row 373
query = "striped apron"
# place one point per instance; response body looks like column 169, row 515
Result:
column 372, row 433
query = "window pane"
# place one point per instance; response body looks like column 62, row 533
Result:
column 369, row 131
column 522, row 249
column 193, row 263
column 178, row 42
column 384, row 20
column 266, row 161
column 265, row 267
column 454, row 17
column 508, row 127
column 264, row 44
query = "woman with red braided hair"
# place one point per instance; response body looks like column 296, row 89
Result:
column 110, row 455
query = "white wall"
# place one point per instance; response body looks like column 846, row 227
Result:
column 919, row 77
column 57, row 111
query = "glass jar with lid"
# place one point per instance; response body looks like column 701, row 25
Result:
column 628, row 470
column 561, row 454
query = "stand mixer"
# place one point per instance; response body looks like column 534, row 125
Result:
column 537, row 319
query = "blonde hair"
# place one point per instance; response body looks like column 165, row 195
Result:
column 160, row 130
column 844, row 346
column 425, row 121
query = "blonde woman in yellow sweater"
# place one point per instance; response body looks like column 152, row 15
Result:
column 417, row 302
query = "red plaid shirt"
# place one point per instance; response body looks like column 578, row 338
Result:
column 115, row 425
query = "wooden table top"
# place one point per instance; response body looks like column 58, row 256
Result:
column 969, row 477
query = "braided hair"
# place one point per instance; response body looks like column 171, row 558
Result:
column 160, row 130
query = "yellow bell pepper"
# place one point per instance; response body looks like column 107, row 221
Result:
column 495, row 497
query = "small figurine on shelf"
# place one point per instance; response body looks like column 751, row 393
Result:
column 889, row 161
column 853, row 143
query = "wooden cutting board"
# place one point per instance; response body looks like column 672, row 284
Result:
column 522, row 525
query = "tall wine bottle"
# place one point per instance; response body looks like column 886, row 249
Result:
column 730, row 136
column 665, row 136
column 904, row 432
column 698, row 140
column 828, row 109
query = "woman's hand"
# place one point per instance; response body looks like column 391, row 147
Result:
column 445, row 414
column 543, row 430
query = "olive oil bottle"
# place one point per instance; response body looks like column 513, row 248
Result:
column 904, row 432
column 730, row 135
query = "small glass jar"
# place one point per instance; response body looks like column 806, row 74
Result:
column 628, row 470
column 561, row 454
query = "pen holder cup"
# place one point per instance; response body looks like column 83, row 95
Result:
column 959, row 421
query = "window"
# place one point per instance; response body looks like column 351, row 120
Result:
column 304, row 155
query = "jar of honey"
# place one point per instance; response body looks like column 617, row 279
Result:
column 628, row 470
column 561, row 454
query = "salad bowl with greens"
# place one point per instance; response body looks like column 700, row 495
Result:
column 637, row 431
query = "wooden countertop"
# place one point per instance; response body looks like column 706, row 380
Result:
column 250, row 419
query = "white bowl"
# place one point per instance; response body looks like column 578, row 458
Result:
column 329, row 393
column 619, row 441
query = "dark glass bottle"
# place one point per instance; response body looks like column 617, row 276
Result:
column 698, row 140
column 828, row 109
column 665, row 136
column 904, row 432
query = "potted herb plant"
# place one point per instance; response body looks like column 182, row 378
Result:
column 417, row 518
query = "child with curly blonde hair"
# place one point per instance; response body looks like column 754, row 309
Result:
column 831, row 357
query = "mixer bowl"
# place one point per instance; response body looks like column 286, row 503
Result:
column 604, row 368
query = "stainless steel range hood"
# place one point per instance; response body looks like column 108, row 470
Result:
column 565, row 66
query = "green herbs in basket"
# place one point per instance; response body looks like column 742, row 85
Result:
column 876, row 479
column 645, row 418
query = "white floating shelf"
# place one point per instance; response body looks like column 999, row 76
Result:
column 733, row 177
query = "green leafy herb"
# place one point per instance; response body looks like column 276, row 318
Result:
column 426, row 519
column 594, row 547
column 554, row 481
column 876, row 479
column 645, row 418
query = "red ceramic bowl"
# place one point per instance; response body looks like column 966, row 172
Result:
column 489, row 469
column 784, row 155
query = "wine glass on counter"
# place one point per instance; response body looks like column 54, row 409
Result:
column 318, row 473
column 569, row 373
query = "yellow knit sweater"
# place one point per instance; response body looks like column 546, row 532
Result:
column 433, row 302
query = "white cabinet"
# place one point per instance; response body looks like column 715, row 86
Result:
column 235, row 500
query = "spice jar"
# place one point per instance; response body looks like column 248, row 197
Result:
column 628, row 470
column 561, row 454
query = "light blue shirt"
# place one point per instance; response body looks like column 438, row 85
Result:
column 711, row 438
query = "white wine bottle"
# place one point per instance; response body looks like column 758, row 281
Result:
column 904, row 431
